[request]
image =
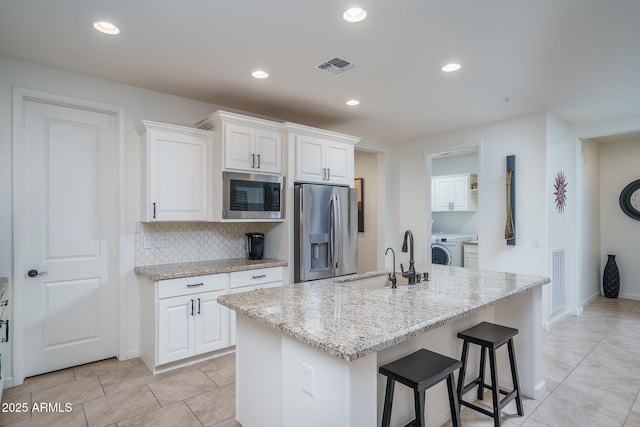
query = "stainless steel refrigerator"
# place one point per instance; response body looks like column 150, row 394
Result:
column 326, row 231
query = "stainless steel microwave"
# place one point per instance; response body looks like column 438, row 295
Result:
column 252, row 196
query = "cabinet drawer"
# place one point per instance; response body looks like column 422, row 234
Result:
column 258, row 276
column 191, row 285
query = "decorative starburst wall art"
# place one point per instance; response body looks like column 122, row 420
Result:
column 561, row 191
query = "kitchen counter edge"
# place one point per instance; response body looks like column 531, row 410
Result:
column 203, row 268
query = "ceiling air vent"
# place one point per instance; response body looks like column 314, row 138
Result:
column 336, row 66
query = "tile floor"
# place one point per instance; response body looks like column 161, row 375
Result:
column 591, row 368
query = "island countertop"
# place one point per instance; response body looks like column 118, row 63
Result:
column 349, row 323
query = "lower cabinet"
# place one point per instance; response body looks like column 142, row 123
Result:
column 180, row 319
column 190, row 325
column 470, row 256
column 251, row 280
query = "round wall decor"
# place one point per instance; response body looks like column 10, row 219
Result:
column 630, row 200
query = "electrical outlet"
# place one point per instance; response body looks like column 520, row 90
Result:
column 147, row 242
column 535, row 241
column 161, row 241
column 307, row 379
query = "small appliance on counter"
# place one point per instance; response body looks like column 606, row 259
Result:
column 255, row 245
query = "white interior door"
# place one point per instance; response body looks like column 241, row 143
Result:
column 69, row 308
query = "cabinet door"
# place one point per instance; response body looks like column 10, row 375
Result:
column 339, row 163
column 460, row 193
column 212, row 322
column 310, row 159
column 440, row 194
column 178, row 162
column 268, row 151
column 239, row 146
column 175, row 328
column 470, row 257
column 232, row 313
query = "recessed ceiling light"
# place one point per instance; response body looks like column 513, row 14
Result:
column 259, row 74
column 352, row 102
column 106, row 28
column 451, row 67
column 354, row 14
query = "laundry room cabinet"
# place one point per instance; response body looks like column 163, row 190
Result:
column 454, row 193
column 470, row 256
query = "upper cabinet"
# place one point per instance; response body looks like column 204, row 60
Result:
column 174, row 159
column 321, row 156
column 245, row 143
column 454, row 193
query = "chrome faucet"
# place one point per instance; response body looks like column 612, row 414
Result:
column 392, row 276
column 411, row 272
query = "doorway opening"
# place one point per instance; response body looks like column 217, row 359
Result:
column 453, row 207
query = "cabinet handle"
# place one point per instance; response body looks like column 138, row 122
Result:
column 324, row 174
column 198, row 305
column 5, row 323
column 192, row 307
column 195, row 285
column 328, row 174
column 253, row 160
column 259, row 277
column 154, row 210
column 258, row 161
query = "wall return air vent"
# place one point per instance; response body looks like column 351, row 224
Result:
column 336, row 66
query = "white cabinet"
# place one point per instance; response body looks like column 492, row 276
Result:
column 244, row 143
column 250, row 149
column 181, row 318
column 321, row 156
column 175, row 163
column 470, row 256
column 251, row 280
column 453, row 193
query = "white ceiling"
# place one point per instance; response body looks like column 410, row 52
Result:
column 577, row 58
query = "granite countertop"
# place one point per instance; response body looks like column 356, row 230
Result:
column 348, row 322
column 201, row 268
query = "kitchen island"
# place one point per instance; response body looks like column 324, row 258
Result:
column 308, row 354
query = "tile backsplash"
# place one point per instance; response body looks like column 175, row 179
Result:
column 168, row 243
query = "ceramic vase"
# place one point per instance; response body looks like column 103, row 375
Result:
column 611, row 278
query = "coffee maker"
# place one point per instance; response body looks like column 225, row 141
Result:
column 255, row 245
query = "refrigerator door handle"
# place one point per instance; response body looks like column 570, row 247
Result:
column 338, row 231
column 332, row 230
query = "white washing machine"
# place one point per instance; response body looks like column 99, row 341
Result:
column 447, row 249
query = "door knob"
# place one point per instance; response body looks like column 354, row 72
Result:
column 34, row 273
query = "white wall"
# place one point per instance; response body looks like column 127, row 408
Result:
column 366, row 166
column 590, row 222
column 619, row 233
column 562, row 225
column 526, row 138
column 139, row 103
